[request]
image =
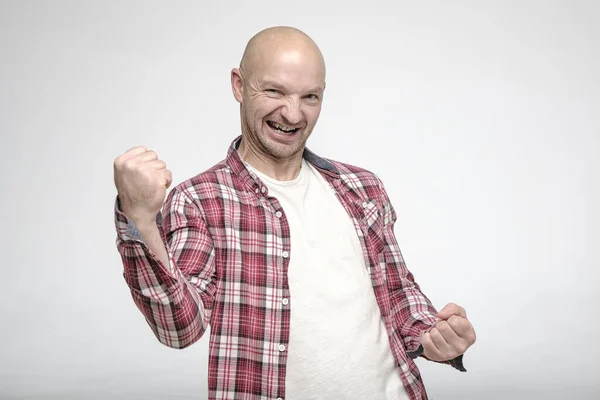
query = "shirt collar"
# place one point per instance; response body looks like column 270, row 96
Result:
column 234, row 161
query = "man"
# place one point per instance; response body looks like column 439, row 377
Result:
column 289, row 257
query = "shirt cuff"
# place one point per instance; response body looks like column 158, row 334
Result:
column 455, row 362
column 127, row 231
column 458, row 363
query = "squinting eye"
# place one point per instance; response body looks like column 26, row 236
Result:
column 312, row 97
column 273, row 91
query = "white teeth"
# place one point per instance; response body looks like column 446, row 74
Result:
column 282, row 127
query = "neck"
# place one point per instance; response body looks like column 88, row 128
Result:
column 279, row 169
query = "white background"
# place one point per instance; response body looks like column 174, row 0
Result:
column 482, row 118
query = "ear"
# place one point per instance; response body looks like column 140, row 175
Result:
column 237, row 85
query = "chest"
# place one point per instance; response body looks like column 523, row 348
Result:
column 255, row 237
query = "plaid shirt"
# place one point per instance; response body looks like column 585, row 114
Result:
column 229, row 247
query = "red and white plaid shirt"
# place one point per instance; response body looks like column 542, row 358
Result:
column 229, row 245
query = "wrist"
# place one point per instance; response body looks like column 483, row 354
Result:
column 144, row 223
column 141, row 218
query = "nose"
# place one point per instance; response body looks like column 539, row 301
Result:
column 291, row 111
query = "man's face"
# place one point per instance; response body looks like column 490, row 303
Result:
column 281, row 102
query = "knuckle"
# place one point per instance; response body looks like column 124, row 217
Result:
column 427, row 340
column 466, row 325
column 138, row 167
column 129, row 164
column 120, row 161
column 472, row 337
column 458, row 323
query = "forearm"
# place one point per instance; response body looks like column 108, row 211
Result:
column 414, row 314
column 171, row 306
column 151, row 235
column 176, row 311
column 412, row 311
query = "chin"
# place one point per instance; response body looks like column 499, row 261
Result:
column 283, row 150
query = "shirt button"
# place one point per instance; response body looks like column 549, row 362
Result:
column 285, row 254
column 262, row 189
column 281, row 347
column 285, row 302
column 364, row 204
column 278, row 214
column 279, row 398
column 256, row 190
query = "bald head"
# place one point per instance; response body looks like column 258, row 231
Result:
column 278, row 42
column 280, row 86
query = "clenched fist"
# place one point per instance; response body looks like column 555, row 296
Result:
column 452, row 335
column 142, row 181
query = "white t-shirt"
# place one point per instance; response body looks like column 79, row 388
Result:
column 339, row 347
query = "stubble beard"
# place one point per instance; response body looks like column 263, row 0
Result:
column 279, row 150
column 267, row 147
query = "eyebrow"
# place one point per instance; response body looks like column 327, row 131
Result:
column 272, row 84
column 316, row 89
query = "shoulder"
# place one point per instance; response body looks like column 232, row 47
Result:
column 359, row 179
column 356, row 175
column 366, row 185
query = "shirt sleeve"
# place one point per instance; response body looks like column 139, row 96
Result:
column 176, row 299
column 414, row 314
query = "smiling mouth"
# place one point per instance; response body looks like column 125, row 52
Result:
column 277, row 127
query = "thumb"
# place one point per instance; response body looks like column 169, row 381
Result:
column 451, row 309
